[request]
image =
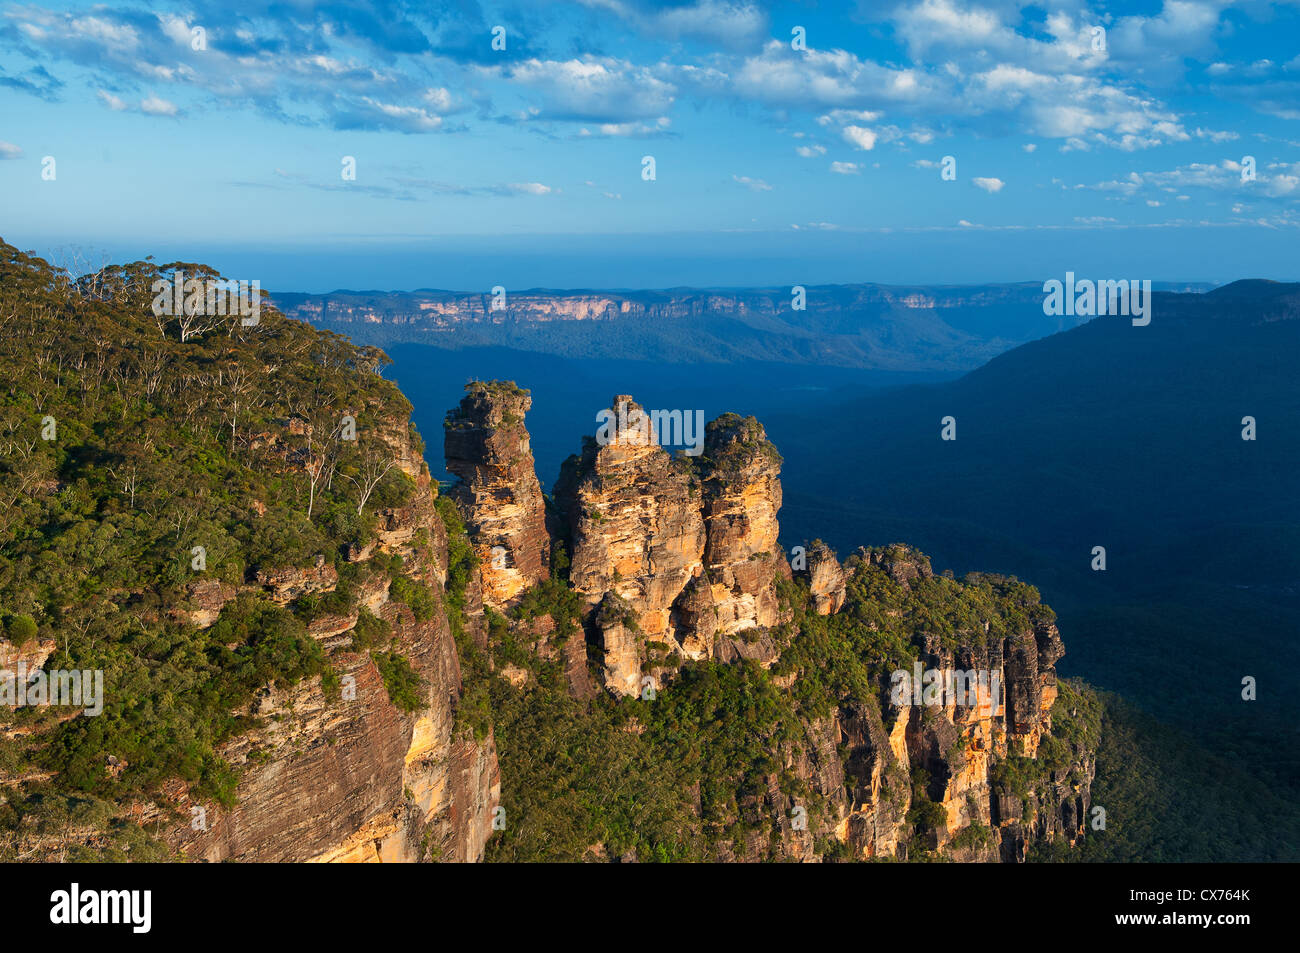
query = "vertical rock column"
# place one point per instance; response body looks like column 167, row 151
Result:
column 633, row 514
column 740, row 472
column 487, row 447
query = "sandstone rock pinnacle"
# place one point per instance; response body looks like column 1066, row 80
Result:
column 487, row 447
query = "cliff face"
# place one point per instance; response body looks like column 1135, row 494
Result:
column 825, row 579
column 487, row 447
column 679, row 556
column 346, row 775
column 961, row 742
column 637, row 540
column 742, row 494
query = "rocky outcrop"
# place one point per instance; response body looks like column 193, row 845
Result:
column 740, row 476
column 635, row 530
column 679, row 559
column 31, row 655
column 826, row 580
column 954, row 744
column 688, row 545
column 487, row 447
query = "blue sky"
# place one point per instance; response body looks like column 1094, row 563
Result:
column 1102, row 136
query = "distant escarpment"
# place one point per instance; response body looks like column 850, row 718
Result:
column 880, row 327
column 759, row 709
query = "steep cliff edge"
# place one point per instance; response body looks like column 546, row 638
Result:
column 352, row 773
column 272, row 600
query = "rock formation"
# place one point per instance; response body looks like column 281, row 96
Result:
column 635, row 530
column 740, row 473
column 824, row 576
column 958, row 746
column 487, row 447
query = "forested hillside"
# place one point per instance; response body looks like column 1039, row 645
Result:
column 185, row 505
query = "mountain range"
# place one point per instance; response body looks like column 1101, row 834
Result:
column 932, row 329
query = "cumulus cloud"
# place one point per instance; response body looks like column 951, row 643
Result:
column 754, row 185
column 845, row 168
column 157, row 106
column 988, row 184
column 1274, row 180
column 592, row 90
column 861, row 137
column 289, row 71
column 642, row 130
column 10, row 151
column 989, row 66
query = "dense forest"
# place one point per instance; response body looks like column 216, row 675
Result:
column 140, row 454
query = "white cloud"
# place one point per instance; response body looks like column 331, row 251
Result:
column 844, row 168
column 1276, row 180
column 371, row 113
column 988, row 184
column 861, row 137
column 627, row 129
column 755, row 185
column 810, row 152
column 157, row 106
column 822, row 79
column 10, row 151
column 1215, row 135
column 593, row 90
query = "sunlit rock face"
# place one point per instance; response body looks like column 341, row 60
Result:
column 688, row 544
column 740, row 473
column 633, row 517
column 826, row 580
column 487, row 447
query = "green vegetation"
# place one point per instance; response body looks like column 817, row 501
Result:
column 142, row 456
column 688, row 774
column 405, row 689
